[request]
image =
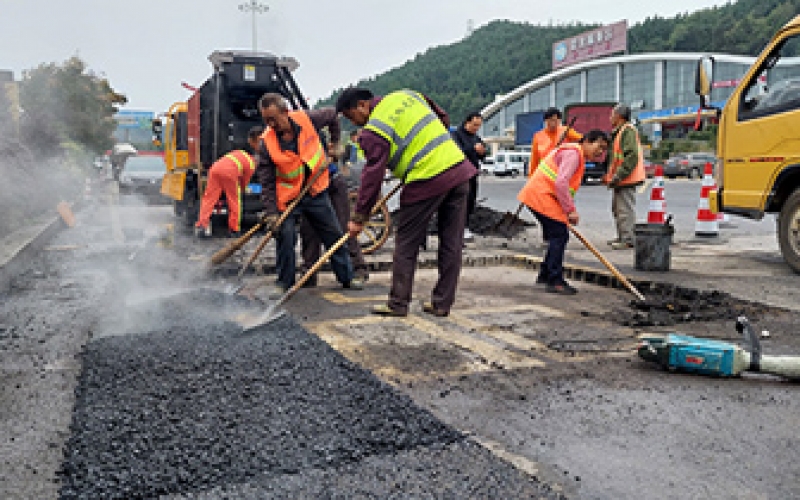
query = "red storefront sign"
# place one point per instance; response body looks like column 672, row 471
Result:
column 591, row 45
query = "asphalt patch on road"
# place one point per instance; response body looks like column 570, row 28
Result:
column 183, row 404
column 485, row 221
column 671, row 305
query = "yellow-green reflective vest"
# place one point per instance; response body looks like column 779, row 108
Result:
column 421, row 148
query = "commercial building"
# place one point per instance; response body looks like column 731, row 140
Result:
column 659, row 88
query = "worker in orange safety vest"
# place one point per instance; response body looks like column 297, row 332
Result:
column 549, row 195
column 230, row 175
column 546, row 139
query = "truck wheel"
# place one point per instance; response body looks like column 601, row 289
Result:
column 789, row 231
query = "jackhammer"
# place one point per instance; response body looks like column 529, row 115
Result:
column 712, row 357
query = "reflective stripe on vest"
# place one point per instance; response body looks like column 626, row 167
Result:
column 232, row 156
column 547, row 171
column 420, row 146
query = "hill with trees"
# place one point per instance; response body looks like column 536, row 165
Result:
column 498, row 57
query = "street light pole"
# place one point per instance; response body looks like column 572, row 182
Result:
column 255, row 8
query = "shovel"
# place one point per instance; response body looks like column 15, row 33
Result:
column 607, row 263
column 510, row 220
column 270, row 314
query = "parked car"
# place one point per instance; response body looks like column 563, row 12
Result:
column 510, row 163
column 487, row 166
column 594, row 171
column 142, row 174
column 691, row 165
column 650, row 168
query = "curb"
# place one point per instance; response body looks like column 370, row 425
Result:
column 17, row 262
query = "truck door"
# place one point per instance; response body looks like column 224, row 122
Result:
column 761, row 126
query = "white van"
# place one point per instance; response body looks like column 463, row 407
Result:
column 511, row 163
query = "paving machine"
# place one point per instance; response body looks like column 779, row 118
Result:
column 712, row 357
column 215, row 120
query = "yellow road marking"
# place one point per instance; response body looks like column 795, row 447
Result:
column 338, row 298
column 492, row 354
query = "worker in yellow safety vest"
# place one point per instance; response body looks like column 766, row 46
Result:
column 406, row 133
column 549, row 195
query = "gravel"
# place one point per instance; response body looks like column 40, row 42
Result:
column 185, row 402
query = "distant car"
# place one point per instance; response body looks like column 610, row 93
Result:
column 691, row 165
column 510, row 163
column 650, row 168
column 594, row 171
column 487, row 166
column 142, row 174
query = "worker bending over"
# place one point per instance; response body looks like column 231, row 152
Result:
column 549, row 195
column 289, row 155
column 546, row 139
column 406, row 133
column 230, row 175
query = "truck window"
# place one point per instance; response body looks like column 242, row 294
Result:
column 182, row 132
column 777, row 87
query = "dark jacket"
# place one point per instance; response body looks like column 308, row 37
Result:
column 467, row 142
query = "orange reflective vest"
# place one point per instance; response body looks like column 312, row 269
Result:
column 291, row 165
column 545, row 141
column 618, row 157
column 539, row 193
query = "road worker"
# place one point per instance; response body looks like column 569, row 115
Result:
column 290, row 153
column 549, row 195
column 230, row 175
column 624, row 174
column 406, row 133
column 546, row 139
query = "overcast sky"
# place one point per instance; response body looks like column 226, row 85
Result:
column 147, row 47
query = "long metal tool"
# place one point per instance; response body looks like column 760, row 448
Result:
column 270, row 314
column 223, row 254
column 607, row 263
column 511, row 220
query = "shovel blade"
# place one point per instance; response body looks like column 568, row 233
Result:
column 251, row 321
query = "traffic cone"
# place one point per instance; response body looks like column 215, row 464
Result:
column 706, row 225
column 658, row 206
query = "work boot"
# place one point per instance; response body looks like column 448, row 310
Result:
column 622, row 245
column 561, row 288
column 202, row 232
column 541, row 279
column 385, row 310
column 429, row 308
column 354, row 284
column 613, row 242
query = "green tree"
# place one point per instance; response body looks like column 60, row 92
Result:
column 67, row 104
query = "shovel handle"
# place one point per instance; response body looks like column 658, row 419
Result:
column 327, row 255
column 607, row 263
column 282, row 218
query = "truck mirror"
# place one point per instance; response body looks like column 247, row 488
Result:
column 704, row 80
column 158, row 129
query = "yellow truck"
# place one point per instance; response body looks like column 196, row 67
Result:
column 758, row 146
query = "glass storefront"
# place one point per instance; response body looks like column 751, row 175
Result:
column 679, row 84
column 539, row 100
column 512, row 110
column 638, row 84
column 601, row 84
column 568, row 90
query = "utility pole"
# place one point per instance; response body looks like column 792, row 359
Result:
column 255, row 8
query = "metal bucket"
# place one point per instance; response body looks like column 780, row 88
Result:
column 652, row 246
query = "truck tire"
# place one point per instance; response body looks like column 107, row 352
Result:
column 789, row 231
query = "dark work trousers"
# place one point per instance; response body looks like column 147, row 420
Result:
column 319, row 214
column 310, row 242
column 557, row 234
column 472, row 198
column 412, row 228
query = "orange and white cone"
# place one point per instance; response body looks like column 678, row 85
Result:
column 706, row 225
column 658, row 205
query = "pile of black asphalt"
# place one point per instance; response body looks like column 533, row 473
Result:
column 179, row 403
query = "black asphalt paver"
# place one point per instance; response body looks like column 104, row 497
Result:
column 180, row 402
